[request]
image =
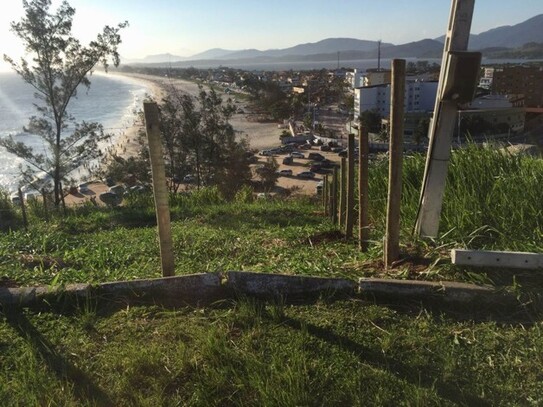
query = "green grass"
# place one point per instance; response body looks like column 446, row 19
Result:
column 492, row 201
column 251, row 353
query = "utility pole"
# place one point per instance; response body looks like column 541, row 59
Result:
column 454, row 86
column 379, row 55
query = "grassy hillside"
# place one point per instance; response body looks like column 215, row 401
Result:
column 250, row 353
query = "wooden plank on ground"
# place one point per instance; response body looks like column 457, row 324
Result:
column 480, row 258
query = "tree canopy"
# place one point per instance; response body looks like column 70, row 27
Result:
column 55, row 66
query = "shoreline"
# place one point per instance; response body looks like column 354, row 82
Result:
column 260, row 135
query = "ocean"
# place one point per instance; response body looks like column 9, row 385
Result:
column 112, row 100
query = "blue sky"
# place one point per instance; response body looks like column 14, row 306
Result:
column 185, row 27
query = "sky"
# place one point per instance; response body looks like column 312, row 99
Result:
column 184, row 28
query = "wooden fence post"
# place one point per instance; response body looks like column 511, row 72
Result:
column 392, row 242
column 23, row 209
column 325, row 195
column 333, row 196
column 160, row 190
column 343, row 193
column 349, row 215
column 45, row 210
column 363, row 187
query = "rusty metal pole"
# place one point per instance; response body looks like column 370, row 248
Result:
column 363, row 188
column 160, row 190
column 392, row 241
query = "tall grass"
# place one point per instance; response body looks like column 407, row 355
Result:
column 9, row 217
column 492, row 199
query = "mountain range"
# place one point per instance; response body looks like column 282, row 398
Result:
column 491, row 43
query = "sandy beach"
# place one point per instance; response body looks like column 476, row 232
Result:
column 260, row 135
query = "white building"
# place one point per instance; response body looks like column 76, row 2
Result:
column 355, row 79
column 486, row 80
column 419, row 97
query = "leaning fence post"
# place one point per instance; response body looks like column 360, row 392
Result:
column 392, row 241
column 152, row 126
column 363, row 188
column 349, row 215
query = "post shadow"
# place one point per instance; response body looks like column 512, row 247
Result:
column 84, row 387
column 392, row 366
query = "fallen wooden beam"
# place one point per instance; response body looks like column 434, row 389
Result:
column 480, row 258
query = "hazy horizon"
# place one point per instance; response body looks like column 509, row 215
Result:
column 184, row 29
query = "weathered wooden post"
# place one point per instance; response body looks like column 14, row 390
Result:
column 325, row 195
column 160, row 190
column 23, row 209
column 333, row 200
column 342, row 193
column 45, row 209
column 392, row 241
column 363, row 189
column 349, row 215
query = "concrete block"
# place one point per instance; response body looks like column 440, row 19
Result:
column 176, row 290
column 288, row 287
column 448, row 292
column 37, row 296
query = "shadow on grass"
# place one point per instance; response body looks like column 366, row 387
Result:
column 394, row 367
column 84, row 388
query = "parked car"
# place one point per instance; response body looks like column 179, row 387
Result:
column 343, row 153
column 306, row 174
column 83, row 188
column 297, row 154
column 117, row 189
column 315, row 168
column 189, row 178
column 316, row 156
column 288, row 160
column 326, row 163
column 285, row 173
column 325, row 148
column 266, row 153
column 336, row 149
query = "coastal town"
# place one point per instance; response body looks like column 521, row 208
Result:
column 291, row 115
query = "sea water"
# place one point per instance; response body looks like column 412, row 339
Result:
column 112, row 100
